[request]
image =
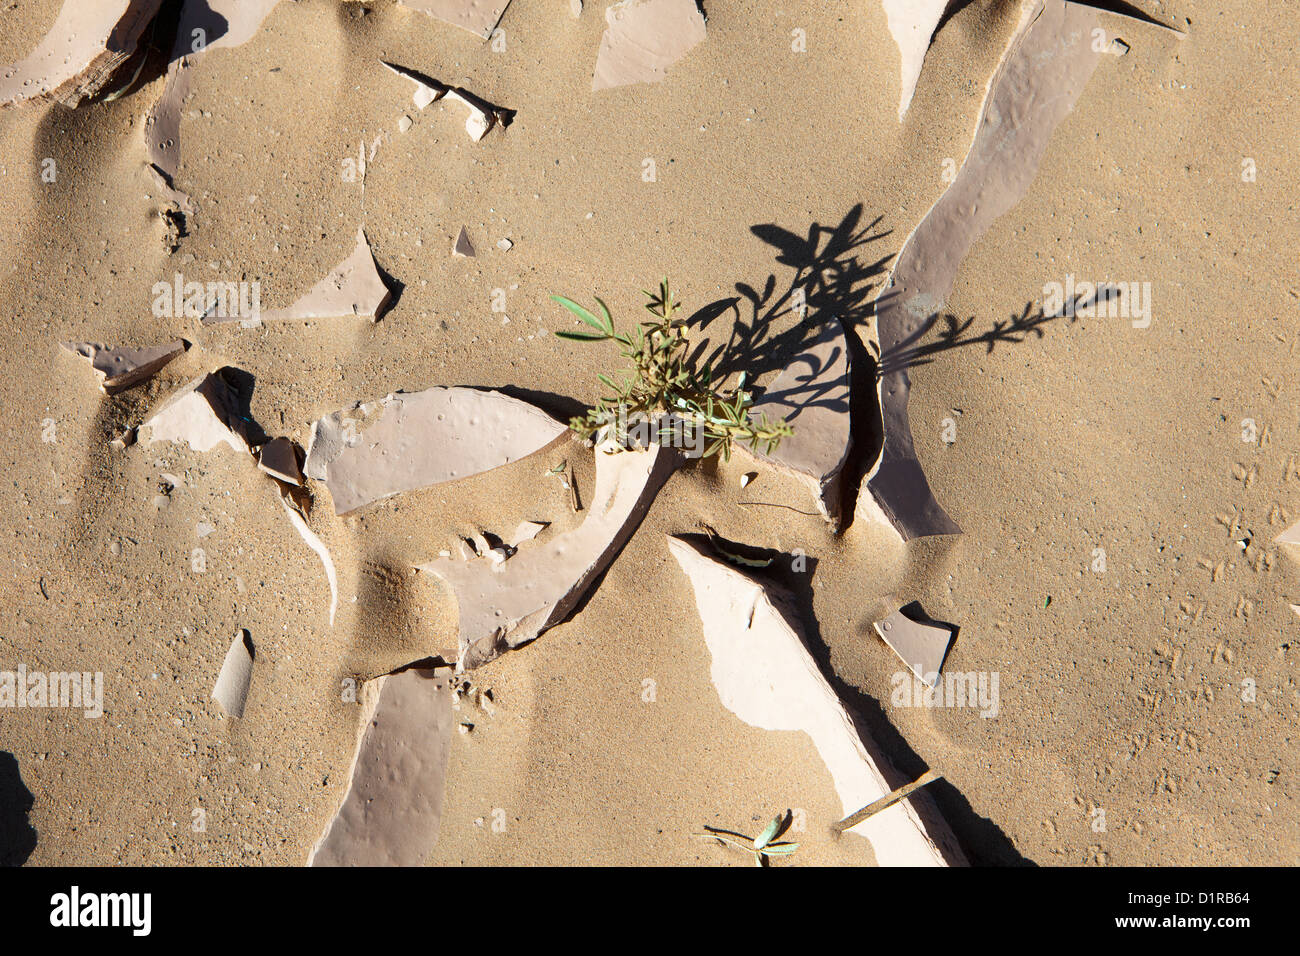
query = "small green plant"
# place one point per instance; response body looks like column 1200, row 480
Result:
column 662, row 388
column 763, row 847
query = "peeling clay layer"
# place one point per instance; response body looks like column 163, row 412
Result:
column 77, row 58
column 354, row 288
column 505, row 604
column 391, row 812
column 224, row 23
column 315, row 543
column 765, row 676
column 479, row 17
column 922, row 647
column 643, row 39
column 203, row 415
column 1035, row 86
column 912, row 24
column 122, row 367
column 422, row 439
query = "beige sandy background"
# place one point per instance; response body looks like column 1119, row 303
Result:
column 1124, row 693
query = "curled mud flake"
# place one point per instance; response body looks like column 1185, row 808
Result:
column 1041, row 75
column 503, row 606
column 231, row 689
column 812, row 395
column 78, row 57
column 121, row 367
column 921, row 646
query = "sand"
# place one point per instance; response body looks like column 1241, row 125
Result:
column 1123, row 694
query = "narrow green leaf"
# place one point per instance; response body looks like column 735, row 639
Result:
column 765, row 837
column 580, row 336
column 581, row 313
column 609, row 319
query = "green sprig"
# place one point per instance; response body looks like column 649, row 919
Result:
column 661, row 382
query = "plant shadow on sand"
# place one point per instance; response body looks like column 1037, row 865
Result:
column 834, row 276
column 837, row 277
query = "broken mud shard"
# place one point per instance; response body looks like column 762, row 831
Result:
column 77, row 58
column 425, row 93
column 391, row 812
column 912, row 24
column 120, row 368
column 503, row 605
column 477, row 16
column 203, row 414
column 922, row 647
column 231, row 689
column 421, row 439
column 463, row 247
column 482, row 114
column 214, row 24
column 279, row 459
column 812, row 395
column 765, row 675
column 1032, row 90
column 643, row 38
column 315, row 543
column 353, row 288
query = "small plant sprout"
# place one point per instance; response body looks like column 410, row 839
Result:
column 561, row 471
column 764, row 846
column 684, row 405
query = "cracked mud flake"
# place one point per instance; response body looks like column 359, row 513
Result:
column 203, row 414
column 280, row 459
column 219, row 23
column 354, row 288
column 503, row 605
column 425, row 92
column 643, row 39
column 812, row 395
column 318, row 546
column 922, row 647
column 414, row 440
column 391, row 812
column 231, row 688
column 765, row 675
column 912, row 24
column 463, row 247
column 1036, row 84
column 121, row 367
column 80, row 54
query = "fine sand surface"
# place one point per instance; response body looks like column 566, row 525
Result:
column 1122, row 691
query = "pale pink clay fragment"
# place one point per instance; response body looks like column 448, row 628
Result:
column 414, row 440
column 89, row 40
column 503, row 605
column 812, row 395
column 643, row 38
column 765, row 675
column 391, row 812
column 203, row 415
column 120, row 368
